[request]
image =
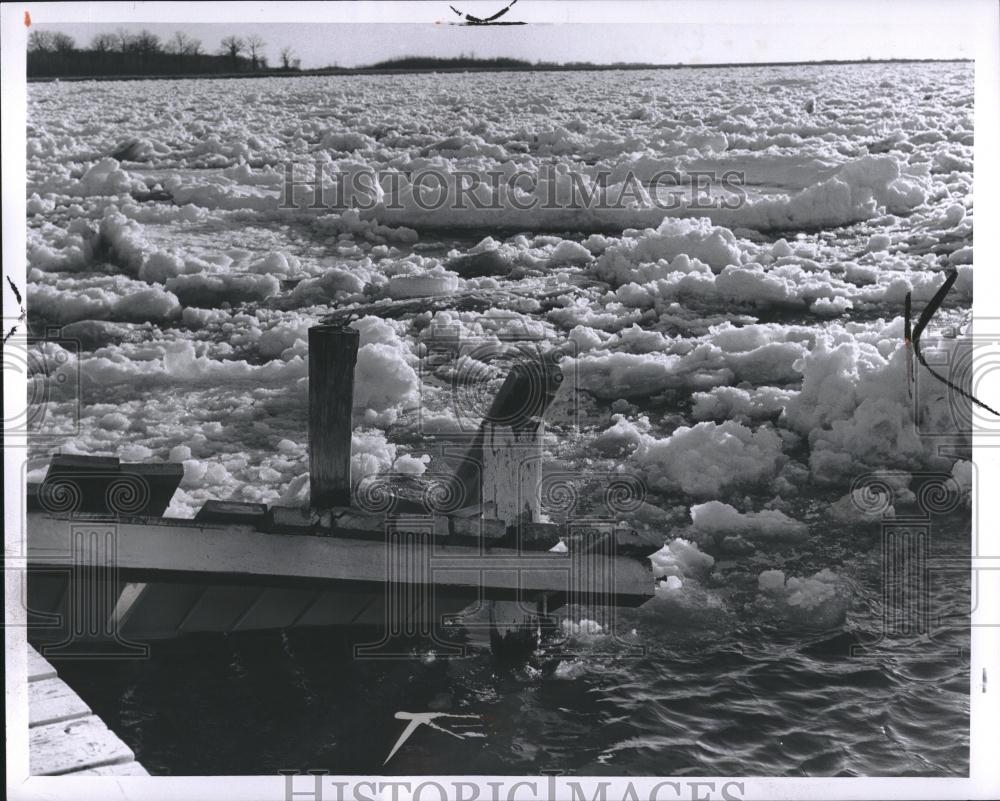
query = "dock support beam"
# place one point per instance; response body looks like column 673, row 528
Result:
column 333, row 352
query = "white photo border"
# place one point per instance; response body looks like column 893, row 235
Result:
column 972, row 27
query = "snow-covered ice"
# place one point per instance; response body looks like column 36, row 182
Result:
column 744, row 360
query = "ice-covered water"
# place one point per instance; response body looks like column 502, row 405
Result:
column 744, row 364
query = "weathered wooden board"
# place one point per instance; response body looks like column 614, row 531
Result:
column 101, row 484
column 74, row 745
column 38, row 668
column 63, row 736
column 51, row 700
column 123, row 769
column 193, row 553
column 218, row 608
column 231, row 512
column 163, row 609
column 335, row 608
column 275, row 608
column 333, row 352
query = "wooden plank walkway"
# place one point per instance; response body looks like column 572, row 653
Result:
column 64, row 736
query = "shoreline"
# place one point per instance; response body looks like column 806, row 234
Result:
column 362, row 71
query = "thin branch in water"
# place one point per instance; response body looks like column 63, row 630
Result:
column 21, row 316
column 918, row 329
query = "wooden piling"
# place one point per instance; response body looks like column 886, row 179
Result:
column 333, row 353
column 502, row 470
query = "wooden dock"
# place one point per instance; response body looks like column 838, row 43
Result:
column 64, row 736
column 107, row 570
column 109, row 574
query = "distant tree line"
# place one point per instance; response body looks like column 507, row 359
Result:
column 472, row 62
column 54, row 54
column 457, row 62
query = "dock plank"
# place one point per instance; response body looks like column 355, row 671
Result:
column 197, row 553
column 38, row 666
column 51, row 701
column 123, row 769
column 64, row 736
column 67, row 747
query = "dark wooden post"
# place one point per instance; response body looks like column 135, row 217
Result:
column 333, row 352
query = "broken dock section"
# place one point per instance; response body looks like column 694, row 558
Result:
column 110, row 574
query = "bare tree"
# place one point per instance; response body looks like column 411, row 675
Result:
column 63, row 42
column 175, row 44
column 183, row 45
column 256, row 47
column 146, row 43
column 232, row 46
column 123, row 40
column 103, row 43
column 287, row 57
column 40, row 42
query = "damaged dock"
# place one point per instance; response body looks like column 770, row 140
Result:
column 106, row 569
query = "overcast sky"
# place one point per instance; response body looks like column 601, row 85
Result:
column 775, row 37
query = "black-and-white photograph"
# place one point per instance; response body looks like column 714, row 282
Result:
column 489, row 390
